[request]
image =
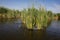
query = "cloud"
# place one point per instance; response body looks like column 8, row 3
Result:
column 56, row 7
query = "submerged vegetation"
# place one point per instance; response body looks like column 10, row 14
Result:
column 32, row 17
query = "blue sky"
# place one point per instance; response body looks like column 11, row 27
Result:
column 53, row 5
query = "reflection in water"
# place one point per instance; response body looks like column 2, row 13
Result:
column 12, row 29
column 7, row 20
column 53, row 31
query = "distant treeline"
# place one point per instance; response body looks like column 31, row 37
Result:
column 8, row 13
column 57, row 15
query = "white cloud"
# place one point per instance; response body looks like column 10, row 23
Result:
column 56, row 7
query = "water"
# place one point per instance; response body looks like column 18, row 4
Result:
column 53, row 31
column 15, row 30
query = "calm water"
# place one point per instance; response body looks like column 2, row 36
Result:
column 53, row 31
column 14, row 30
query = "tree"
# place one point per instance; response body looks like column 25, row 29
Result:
column 3, row 10
column 49, row 13
column 58, row 14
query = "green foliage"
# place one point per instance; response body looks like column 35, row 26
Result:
column 3, row 10
column 31, row 17
column 58, row 14
column 49, row 13
column 34, row 17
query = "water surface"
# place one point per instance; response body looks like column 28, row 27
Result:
column 15, row 30
column 53, row 31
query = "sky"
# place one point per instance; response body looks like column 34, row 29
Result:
column 53, row 5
